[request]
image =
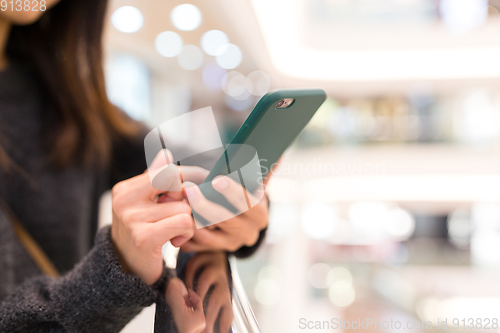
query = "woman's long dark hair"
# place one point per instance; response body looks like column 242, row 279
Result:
column 64, row 49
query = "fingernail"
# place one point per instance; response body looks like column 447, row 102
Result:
column 190, row 192
column 220, row 183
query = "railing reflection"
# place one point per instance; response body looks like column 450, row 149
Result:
column 205, row 291
column 244, row 318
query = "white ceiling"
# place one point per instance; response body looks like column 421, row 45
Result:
column 359, row 62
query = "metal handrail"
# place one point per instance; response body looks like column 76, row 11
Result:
column 244, row 318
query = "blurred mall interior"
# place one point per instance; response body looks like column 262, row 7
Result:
column 388, row 204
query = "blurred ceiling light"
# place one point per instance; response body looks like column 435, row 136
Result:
column 168, row 44
column 127, row 19
column 186, row 17
column 190, row 57
column 400, row 223
column 213, row 75
column 317, row 275
column 239, row 104
column 212, row 41
column 318, row 220
column 229, row 56
column 300, row 61
column 234, row 83
column 463, row 15
column 258, row 83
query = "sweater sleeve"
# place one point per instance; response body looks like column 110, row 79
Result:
column 95, row 296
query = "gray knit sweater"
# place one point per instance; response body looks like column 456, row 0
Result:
column 59, row 209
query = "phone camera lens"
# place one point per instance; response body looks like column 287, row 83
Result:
column 281, row 103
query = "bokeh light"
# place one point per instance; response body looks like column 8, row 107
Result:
column 190, row 57
column 368, row 216
column 229, row 56
column 168, row 44
column 339, row 274
column 341, row 291
column 342, row 294
column 267, row 291
column 127, row 19
column 186, row 17
column 317, row 275
column 234, row 84
column 318, row 220
column 400, row 223
column 271, row 273
column 258, row 83
column 212, row 42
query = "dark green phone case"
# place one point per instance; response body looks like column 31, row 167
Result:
column 270, row 131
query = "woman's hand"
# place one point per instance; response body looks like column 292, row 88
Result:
column 235, row 231
column 141, row 226
column 186, row 307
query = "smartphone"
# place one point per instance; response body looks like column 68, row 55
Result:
column 275, row 122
